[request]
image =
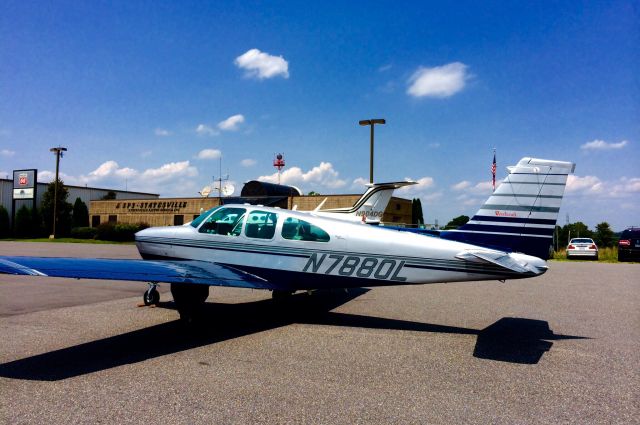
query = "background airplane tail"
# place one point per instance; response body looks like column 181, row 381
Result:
column 372, row 204
column 521, row 215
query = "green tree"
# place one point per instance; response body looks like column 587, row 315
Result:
column 109, row 196
column 457, row 222
column 312, row 193
column 5, row 225
column 573, row 230
column 23, row 227
column 416, row 212
column 603, row 235
column 80, row 214
column 37, row 224
column 64, row 209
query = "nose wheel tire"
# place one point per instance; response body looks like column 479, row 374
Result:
column 151, row 296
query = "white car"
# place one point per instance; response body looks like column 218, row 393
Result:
column 582, row 248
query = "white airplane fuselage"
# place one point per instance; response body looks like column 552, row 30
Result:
column 355, row 254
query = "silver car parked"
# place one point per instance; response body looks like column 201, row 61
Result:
column 582, row 248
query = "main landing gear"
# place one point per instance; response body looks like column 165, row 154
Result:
column 151, row 296
column 281, row 295
column 189, row 299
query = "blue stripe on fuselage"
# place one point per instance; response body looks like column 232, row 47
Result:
column 531, row 245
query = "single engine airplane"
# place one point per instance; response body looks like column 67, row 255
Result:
column 252, row 246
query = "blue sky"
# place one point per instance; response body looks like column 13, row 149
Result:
column 150, row 94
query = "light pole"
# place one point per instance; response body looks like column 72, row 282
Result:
column 58, row 151
column 371, row 123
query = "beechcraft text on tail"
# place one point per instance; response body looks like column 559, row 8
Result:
column 283, row 251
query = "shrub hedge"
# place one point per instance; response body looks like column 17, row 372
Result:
column 84, row 232
column 119, row 232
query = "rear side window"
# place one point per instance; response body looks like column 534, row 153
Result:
column 225, row 221
column 261, row 225
column 300, row 230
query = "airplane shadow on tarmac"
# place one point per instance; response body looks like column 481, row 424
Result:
column 513, row 340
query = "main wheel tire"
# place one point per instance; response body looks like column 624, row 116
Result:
column 151, row 296
column 279, row 295
column 189, row 299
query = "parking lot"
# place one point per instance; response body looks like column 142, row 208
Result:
column 560, row 348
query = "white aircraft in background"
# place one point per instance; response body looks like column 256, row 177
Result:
column 369, row 208
column 283, row 251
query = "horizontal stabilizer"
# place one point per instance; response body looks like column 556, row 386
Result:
column 169, row 271
column 501, row 259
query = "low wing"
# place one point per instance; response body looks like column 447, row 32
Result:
column 180, row 271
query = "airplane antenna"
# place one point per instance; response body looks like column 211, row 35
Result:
column 278, row 162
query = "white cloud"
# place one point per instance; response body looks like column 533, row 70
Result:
column 424, row 184
column 205, row 130
column 175, row 178
column 209, row 154
column 248, row 162
column 592, row 185
column 107, row 169
column 584, row 184
column 440, row 81
column 262, row 65
column 7, row 153
column 320, row 176
column 464, row 184
column 624, row 187
column 359, row 182
column 161, row 132
column 231, row 123
column 486, row 187
column 430, row 197
column 602, row 145
column 169, row 171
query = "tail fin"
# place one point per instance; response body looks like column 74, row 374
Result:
column 521, row 215
column 371, row 205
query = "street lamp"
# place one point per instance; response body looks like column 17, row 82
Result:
column 371, row 123
column 58, row 151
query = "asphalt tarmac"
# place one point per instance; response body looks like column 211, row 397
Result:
column 560, row 348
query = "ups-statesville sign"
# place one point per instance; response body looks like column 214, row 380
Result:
column 145, row 207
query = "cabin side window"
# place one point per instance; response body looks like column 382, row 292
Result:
column 299, row 230
column 225, row 221
column 261, row 225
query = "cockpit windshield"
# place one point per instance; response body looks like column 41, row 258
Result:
column 199, row 219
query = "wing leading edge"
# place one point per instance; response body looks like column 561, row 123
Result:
column 169, row 271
